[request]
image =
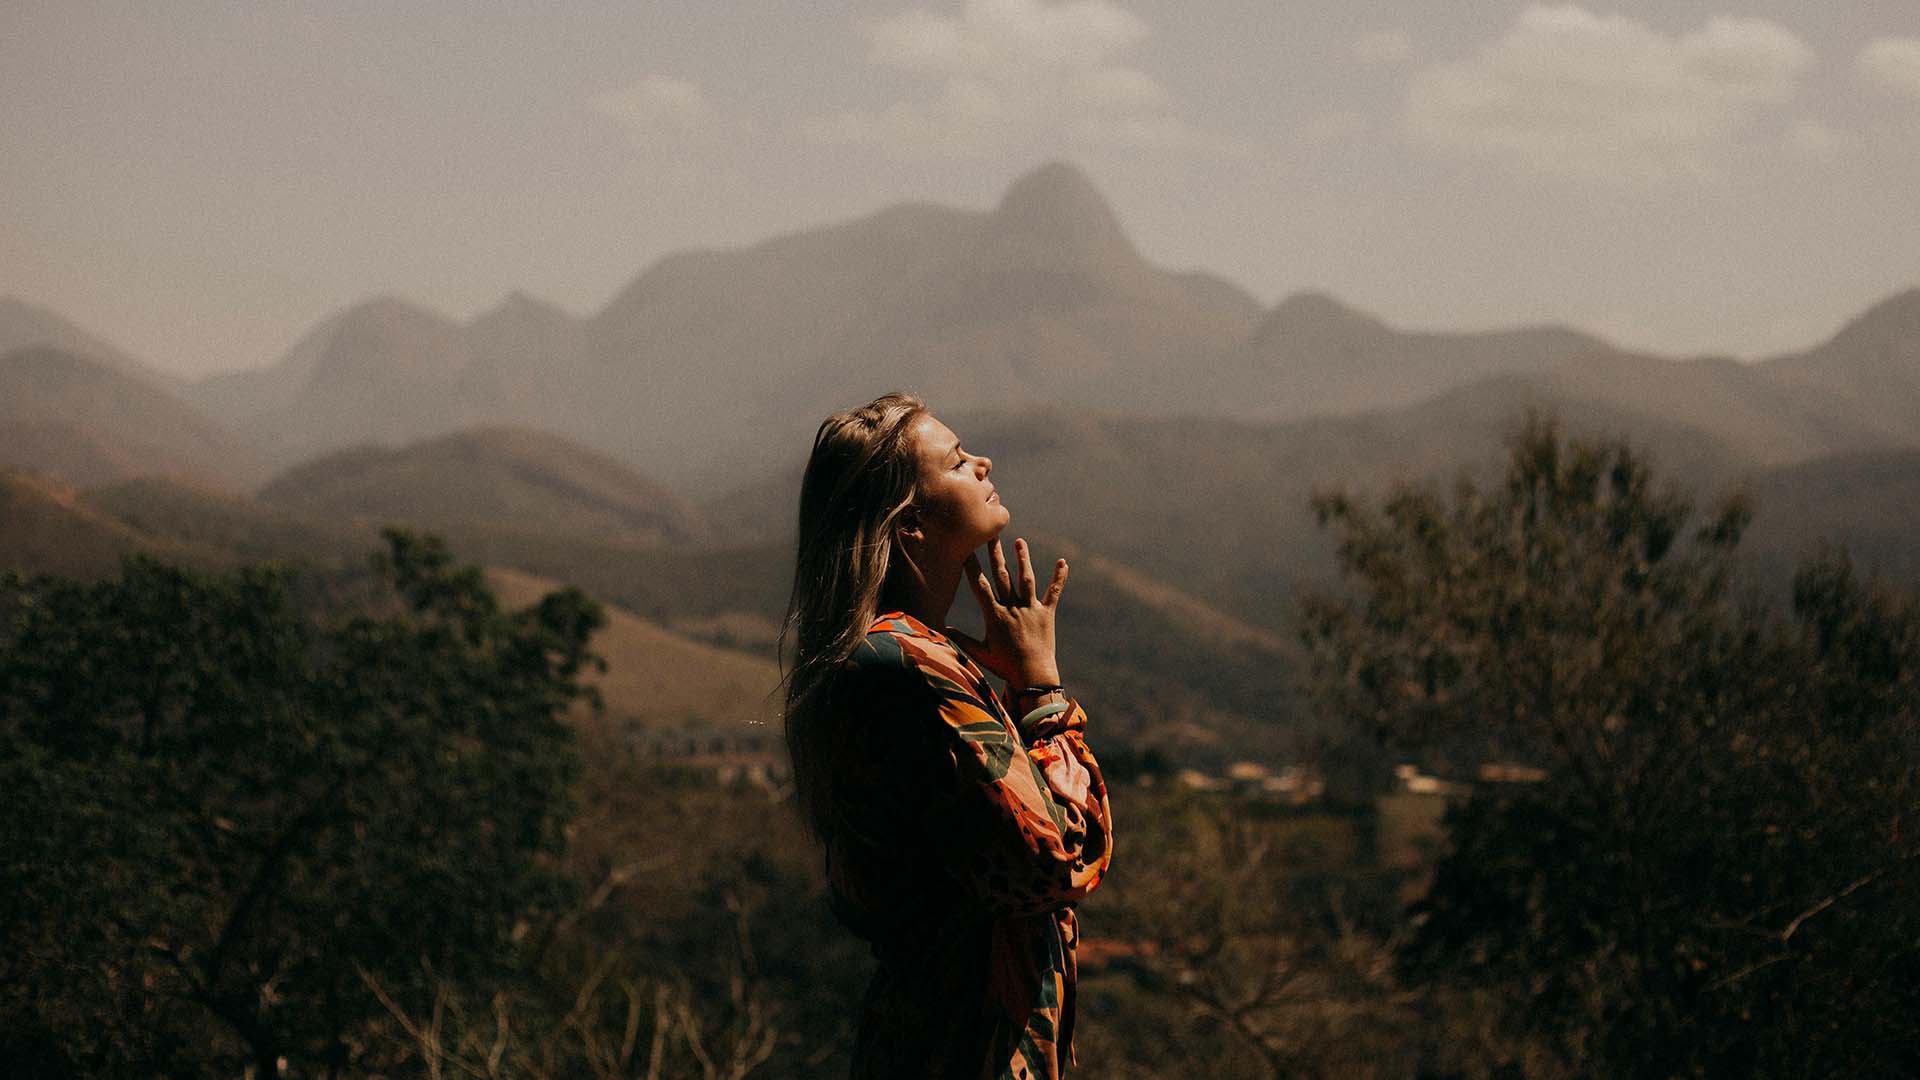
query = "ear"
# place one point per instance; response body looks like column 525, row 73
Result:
column 907, row 526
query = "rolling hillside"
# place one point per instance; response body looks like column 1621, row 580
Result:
column 1161, row 666
column 86, row 423
column 45, row 528
column 507, row 477
column 657, row 680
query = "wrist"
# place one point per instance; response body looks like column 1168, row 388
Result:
column 1040, row 693
column 1044, row 676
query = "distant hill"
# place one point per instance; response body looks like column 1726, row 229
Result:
column 383, row 371
column 1162, row 666
column 24, row 325
column 501, row 476
column 1872, row 364
column 1314, row 355
column 658, row 680
column 84, row 423
column 1866, row 502
column 1760, row 419
column 241, row 527
column 1221, row 508
column 46, row 529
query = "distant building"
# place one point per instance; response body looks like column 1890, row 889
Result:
column 1414, row 782
column 727, row 755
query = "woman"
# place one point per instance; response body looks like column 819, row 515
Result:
column 960, row 824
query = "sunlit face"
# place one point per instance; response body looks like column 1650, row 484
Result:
column 958, row 508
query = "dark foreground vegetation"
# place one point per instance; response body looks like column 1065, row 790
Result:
column 271, row 824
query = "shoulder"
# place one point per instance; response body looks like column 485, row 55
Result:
column 900, row 645
column 898, row 641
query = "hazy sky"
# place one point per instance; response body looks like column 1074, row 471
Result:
column 202, row 182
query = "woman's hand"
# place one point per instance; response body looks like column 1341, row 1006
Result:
column 1019, row 623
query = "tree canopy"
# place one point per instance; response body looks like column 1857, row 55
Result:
column 227, row 813
column 1716, row 874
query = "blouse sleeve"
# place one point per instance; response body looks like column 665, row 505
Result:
column 1020, row 819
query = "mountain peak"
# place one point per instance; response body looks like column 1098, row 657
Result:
column 1056, row 206
column 1895, row 318
column 389, row 307
column 23, row 323
column 1317, row 313
column 1311, row 305
column 519, row 307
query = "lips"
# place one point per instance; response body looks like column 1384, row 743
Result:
column 993, row 496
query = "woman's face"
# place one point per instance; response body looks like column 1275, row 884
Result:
column 959, row 510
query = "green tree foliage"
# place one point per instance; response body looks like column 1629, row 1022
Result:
column 1718, row 874
column 226, row 816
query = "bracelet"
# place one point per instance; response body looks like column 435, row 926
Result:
column 1056, row 688
column 1043, row 712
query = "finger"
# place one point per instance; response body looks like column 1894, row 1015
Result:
column 1058, row 585
column 1027, row 590
column 1000, row 578
column 977, row 581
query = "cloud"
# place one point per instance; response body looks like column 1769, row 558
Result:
column 1383, row 47
column 1004, row 71
column 1892, row 65
column 1816, row 140
column 658, row 105
column 1568, row 92
column 1335, row 127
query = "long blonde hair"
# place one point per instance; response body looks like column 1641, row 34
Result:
column 863, row 474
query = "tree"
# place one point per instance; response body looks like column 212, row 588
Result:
column 1714, row 877
column 226, row 812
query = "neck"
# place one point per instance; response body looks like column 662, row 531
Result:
column 926, row 592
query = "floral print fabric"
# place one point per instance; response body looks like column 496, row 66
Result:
column 959, row 846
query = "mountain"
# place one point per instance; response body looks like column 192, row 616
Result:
column 529, row 362
column 381, row 370
column 712, row 367
column 502, row 476
column 710, row 359
column 1762, row 419
column 84, row 423
column 1872, row 365
column 1314, row 355
column 1046, row 300
column 24, row 325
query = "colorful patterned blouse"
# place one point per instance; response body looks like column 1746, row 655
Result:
column 959, row 848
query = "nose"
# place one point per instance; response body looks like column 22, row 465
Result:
column 985, row 464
